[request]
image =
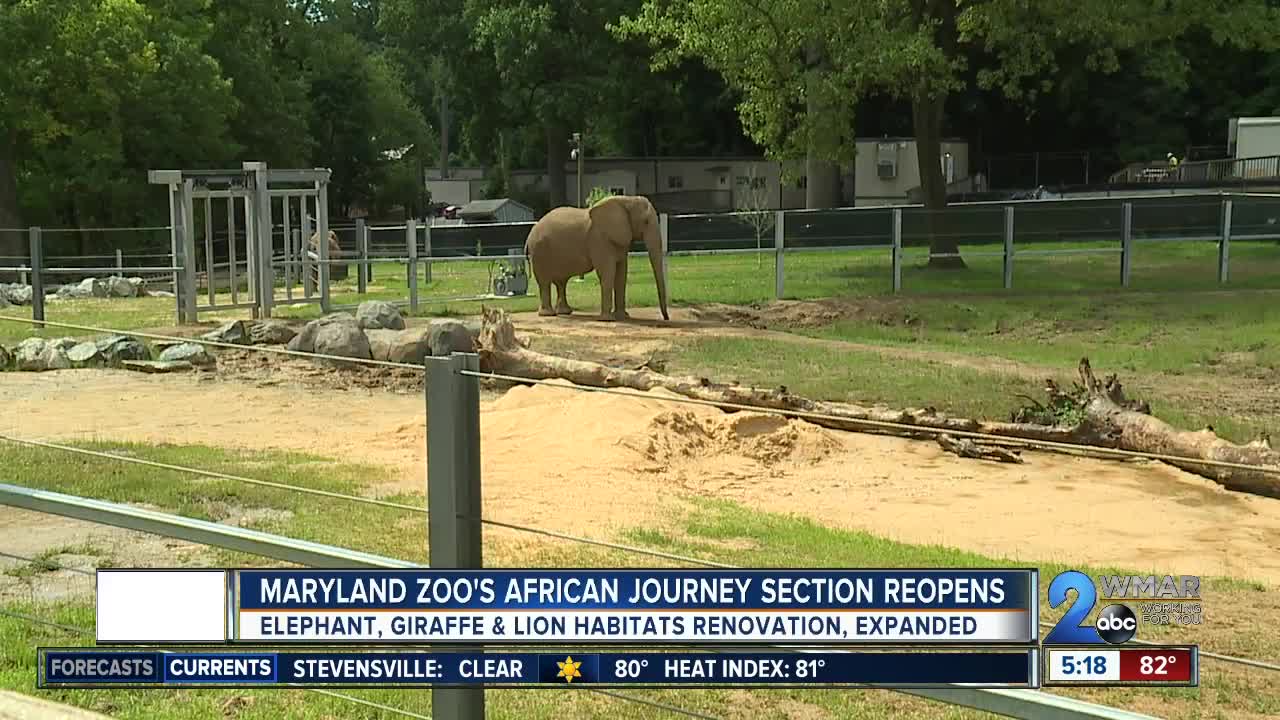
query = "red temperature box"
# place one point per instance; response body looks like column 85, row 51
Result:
column 1160, row 665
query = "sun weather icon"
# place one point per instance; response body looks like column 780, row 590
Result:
column 569, row 669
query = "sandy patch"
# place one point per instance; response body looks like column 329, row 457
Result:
column 590, row 463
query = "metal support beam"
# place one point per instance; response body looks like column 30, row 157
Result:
column 453, row 493
column 362, row 254
column 1008, row 247
column 218, row 535
column 896, row 252
column 36, row 239
column 261, row 251
column 779, row 250
column 1224, row 245
column 188, row 260
column 426, row 247
column 322, row 222
column 411, row 269
column 1126, row 244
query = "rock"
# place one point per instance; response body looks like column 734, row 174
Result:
column 271, row 332
column 379, row 315
column 19, row 294
column 27, row 355
column 343, row 338
column 188, row 352
column 305, row 341
column 65, row 343
column 86, row 354
column 4, row 301
column 157, row 366
column 235, row 332
column 65, row 291
column 92, row 287
column 6, row 358
column 119, row 348
column 120, row 287
column 159, row 293
column 406, row 346
column 449, row 336
column 137, row 284
column 37, row 355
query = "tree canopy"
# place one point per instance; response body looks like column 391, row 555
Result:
column 93, row 93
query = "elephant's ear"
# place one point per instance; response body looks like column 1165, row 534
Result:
column 611, row 219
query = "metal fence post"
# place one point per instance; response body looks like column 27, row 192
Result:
column 663, row 230
column 308, row 271
column 1126, row 244
column 119, row 262
column 1008, row 247
column 426, row 266
column 453, row 493
column 896, row 252
column 263, row 239
column 1224, row 245
column 362, row 254
column 37, row 282
column 411, row 242
column 187, row 210
column 779, row 250
column 322, row 226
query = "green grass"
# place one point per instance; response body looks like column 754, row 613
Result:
column 711, row 529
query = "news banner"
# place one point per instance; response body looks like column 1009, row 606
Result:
column 249, row 628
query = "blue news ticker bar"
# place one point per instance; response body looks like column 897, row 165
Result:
column 655, row 589
column 92, row 667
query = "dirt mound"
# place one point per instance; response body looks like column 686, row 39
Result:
column 682, row 435
column 785, row 314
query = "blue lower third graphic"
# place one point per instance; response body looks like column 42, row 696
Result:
column 92, row 667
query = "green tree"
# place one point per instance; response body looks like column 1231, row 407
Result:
column 802, row 64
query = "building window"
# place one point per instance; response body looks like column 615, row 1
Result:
column 741, row 180
column 724, row 180
column 757, row 182
column 802, row 182
column 618, row 190
column 675, row 182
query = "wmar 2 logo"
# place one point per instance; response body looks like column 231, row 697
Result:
column 1116, row 623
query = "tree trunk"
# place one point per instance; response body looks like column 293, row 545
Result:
column 822, row 189
column 1110, row 422
column 444, row 135
column 927, row 115
column 557, row 155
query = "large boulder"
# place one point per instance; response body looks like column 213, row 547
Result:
column 92, row 287
column 4, row 301
column 404, row 346
column 449, row 336
column 188, row 352
column 118, row 348
column 86, row 354
column 120, row 287
column 305, row 340
column 343, row 338
column 38, row 354
column 379, row 315
column 138, row 285
column 17, row 294
column 6, row 358
column 271, row 332
column 235, row 332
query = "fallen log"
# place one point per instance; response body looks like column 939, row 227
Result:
column 966, row 448
column 1104, row 420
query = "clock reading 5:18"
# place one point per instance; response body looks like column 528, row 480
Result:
column 1084, row 665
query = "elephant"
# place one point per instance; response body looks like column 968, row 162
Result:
column 570, row 242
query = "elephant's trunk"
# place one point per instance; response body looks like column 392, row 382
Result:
column 653, row 242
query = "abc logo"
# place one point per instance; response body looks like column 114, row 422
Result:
column 1117, row 624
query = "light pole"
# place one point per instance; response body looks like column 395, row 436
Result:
column 576, row 154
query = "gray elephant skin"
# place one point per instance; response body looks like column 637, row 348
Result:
column 570, row 242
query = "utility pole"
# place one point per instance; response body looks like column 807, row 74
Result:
column 577, row 154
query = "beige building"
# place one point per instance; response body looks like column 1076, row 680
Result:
column 883, row 173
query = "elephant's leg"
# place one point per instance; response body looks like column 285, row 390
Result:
column 620, row 290
column 562, row 304
column 606, row 272
column 544, row 298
